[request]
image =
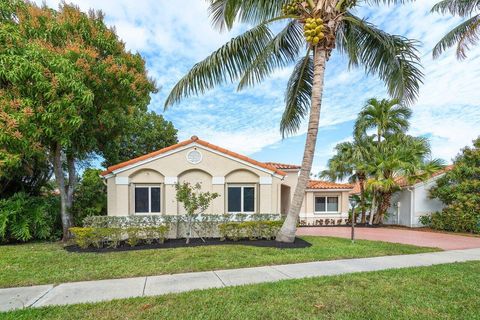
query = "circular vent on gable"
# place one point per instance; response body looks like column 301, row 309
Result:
column 194, row 157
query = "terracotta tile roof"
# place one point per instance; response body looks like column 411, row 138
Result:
column 317, row 184
column 402, row 182
column 187, row 142
column 282, row 165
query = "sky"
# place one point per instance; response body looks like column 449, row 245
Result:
column 173, row 37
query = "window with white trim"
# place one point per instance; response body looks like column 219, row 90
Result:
column 241, row 199
column 325, row 204
column 147, row 199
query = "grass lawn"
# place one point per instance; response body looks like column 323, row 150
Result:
column 448, row 291
column 42, row 263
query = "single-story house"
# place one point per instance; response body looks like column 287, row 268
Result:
column 412, row 201
column 146, row 185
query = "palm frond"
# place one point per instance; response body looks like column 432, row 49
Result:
column 282, row 50
column 394, row 59
column 386, row 2
column 297, row 96
column 461, row 8
column 225, row 64
column 224, row 13
column 464, row 35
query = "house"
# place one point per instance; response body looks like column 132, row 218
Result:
column 146, row 185
column 412, row 201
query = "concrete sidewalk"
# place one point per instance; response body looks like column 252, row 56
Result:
column 103, row 290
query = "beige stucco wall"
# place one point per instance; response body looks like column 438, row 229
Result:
column 214, row 172
column 307, row 212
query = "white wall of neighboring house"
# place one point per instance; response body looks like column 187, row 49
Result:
column 409, row 204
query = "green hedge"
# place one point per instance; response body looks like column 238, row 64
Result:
column 111, row 237
column 249, row 229
column 156, row 220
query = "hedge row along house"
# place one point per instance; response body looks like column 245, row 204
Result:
column 146, row 185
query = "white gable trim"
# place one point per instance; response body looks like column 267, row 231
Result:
column 193, row 144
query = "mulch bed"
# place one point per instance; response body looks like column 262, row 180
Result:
column 180, row 243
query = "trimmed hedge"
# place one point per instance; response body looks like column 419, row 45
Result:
column 157, row 220
column 111, row 237
column 252, row 230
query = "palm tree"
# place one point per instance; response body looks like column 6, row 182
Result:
column 312, row 29
column 401, row 156
column 464, row 35
column 385, row 116
column 351, row 162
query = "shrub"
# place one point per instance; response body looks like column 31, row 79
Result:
column 24, row 217
column 111, row 237
column 249, row 229
column 425, row 220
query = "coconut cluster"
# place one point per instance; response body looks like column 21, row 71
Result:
column 291, row 8
column 313, row 30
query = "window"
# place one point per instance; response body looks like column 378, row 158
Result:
column 147, row 199
column 326, row 204
column 241, row 199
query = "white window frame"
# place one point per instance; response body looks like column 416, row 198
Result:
column 326, row 205
column 149, row 186
column 242, row 186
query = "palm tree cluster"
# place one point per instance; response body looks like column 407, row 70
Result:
column 381, row 157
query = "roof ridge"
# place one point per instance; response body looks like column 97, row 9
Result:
column 193, row 139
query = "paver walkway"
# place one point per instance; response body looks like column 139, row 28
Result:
column 94, row 291
column 443, row 241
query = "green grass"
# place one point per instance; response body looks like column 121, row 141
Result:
column 448, row 291
column 42, row 263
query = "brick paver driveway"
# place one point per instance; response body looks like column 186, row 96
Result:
column 418, row 238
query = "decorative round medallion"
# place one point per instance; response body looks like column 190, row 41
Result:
column 194, row 156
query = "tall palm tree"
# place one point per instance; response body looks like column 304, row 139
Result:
column 464, row 35
column 385, row 116
column 351, row 162
column 312, row 29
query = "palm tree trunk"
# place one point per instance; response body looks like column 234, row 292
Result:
column 289, row 228
column 383, row 207
column 372, row 210
column 362, row 200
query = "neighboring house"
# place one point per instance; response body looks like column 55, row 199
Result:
column 412, row 201
column 146, row 185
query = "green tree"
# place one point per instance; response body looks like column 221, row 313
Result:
column 90, row 197
column 144, row 133
column 466, row 34
column 311, row 31
column 384, row 116
column 459, row 190
column 194, row 201
column 73, row 77
column 401, row 157
column 351, row 162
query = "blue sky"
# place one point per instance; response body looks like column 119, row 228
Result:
column 173, row 37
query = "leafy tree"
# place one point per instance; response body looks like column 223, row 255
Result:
column 72, row 77
column 466, row 34
column 311, row 31
column 194, row 201
column 90, row 198
column 144, row 133
column 459, row 190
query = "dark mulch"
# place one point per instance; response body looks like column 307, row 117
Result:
column 180, row 243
